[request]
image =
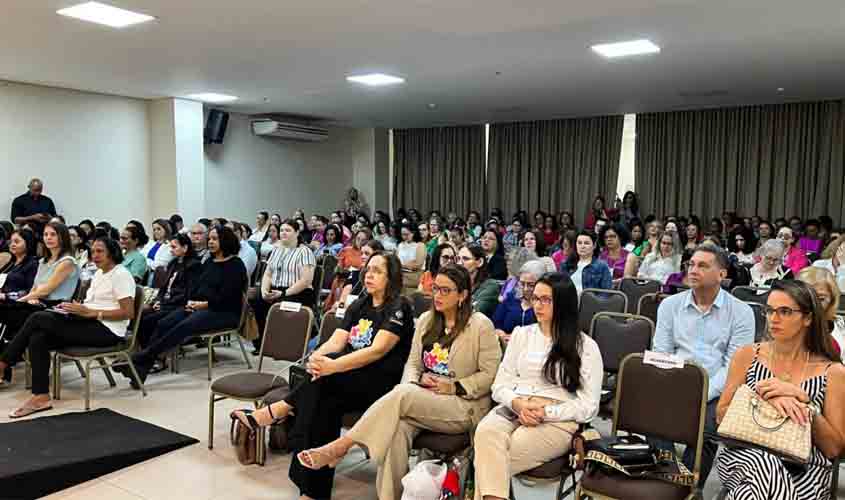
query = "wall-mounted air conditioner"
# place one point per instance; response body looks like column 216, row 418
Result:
column 289, row 131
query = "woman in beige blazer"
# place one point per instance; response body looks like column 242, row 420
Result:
column 445, row 386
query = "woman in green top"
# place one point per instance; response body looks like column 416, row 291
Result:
column 131, row 238
column 485, row 292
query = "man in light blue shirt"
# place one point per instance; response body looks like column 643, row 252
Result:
column 707, row 325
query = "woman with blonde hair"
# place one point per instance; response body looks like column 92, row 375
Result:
column 829, row 294
column 832, row 259
column 663, row 260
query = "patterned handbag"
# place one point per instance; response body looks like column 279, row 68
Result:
column 752, row 420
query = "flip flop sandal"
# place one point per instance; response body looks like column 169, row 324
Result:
column 25, row 411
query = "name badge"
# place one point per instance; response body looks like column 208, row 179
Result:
column 290, row 306
column 340, row 312
column 663, row 360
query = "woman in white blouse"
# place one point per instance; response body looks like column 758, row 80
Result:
column 663, row 260
column 157, row 251
column 548, row 382
column 411, row 253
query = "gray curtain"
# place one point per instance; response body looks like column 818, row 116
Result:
column 554, row 165
column 773, row 161
column 439, row 168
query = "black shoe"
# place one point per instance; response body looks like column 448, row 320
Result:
column 7, row 374
column 143, row 371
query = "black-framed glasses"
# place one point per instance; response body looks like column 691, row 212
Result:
column 447, row 258
column 442, row 290
column 783, row 312
column 546, row 301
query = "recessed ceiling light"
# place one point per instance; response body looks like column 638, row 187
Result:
column 432, row 106
column 781, row 89
column 631, row 48
column 375, row 79
column 99, row 13
column 212, row 97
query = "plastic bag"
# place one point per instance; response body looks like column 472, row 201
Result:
column 424, row 481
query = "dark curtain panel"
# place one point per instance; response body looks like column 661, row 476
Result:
column 439, row 168
column 773, row 160
column 554, row 165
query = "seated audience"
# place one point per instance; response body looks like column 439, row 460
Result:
column 630, row 210
column 832, row 259
column 705, row 324
column 584, row 268
column 550, row 232
column 332, row 244
column 513, row 235
column 517, row 308
column 800, row 374
column 288, row 277
column 637, row 231
column 810, row 241
column 549, row 382
column 494, row 250
column 566, row 248
column 55, row 280
column 692, row 236
column 87, row 226
column 741, row 245
column 262, row 225
column 317, row 226
column 183, row 274
column 664, row 260
column 484, row 291
column 598, row 210
column 412, row 254
column 131, row 238
column 338, row 219
column 21, row 270
column 613, row 240
column 349, row 260
column 829, row 295
column 354, row 284
column 455, row 236
column 770, row 268
column 157, row 251
column 520, row 256
column 765, row 232
column 425, row 235
column 100, row 321
column 566, row 221
column 794, row 258
column 434, row 233
column 443, row 255
column 446, row 388
column 199, row 238
column 177, row 224
column 533, row 240
column 474, row 226
column 654, row 230
column 246, row 252
column 270, row 241
column 215, row 304
column 361, row 362
column 382, row 235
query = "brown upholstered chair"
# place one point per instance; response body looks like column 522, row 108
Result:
column 761, row 322
column 594, row 301
column 648, row 305
column 285, row 339
column 160, row 277
column 559, row 469
column 661, row 403
column 634, row 288
column 751, row 294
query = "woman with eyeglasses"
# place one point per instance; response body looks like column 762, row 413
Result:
column 794, row 258
column 770, row 268
column 517, row 309
column 549, row 382
column 613, row 240
column 828, row 293
column 443, row 255
column 801, row 375
column 445, row 387
column 484, row 292
column 664, row 260
column 494, row 250
column 584, row 267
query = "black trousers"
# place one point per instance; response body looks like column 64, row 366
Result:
column 47, row 331
column 261, row 307
column 149, row 322
column 177, row 327
column 14, row 314
column 319, row 407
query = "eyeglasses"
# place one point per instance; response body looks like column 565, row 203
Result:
column 546, row 301
column 782, row 312
column 442, row 290
column 464, row 258
column 771, row 259
column 447, row 258
column 527, row 284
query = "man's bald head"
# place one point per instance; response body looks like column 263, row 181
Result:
column 35, row 187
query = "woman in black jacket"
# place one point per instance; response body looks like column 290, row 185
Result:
column 183, row 273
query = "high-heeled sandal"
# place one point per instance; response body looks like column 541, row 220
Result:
column 316, row 459
column 251, row 422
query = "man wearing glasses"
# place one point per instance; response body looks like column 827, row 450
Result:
column 705, row 324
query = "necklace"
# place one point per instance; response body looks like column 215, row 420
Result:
column 786, row 376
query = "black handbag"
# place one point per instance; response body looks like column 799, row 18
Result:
column 632, row 456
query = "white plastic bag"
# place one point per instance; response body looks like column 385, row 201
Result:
column 424, row 481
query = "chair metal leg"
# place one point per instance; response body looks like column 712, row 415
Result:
column 79, row 367
column 88, row 385
column 135, row 374
column 243, row 351
column 511, row 495
column 210, row 359
column 57, row 376
column 107, row 371
column 211, row 421
column 27, row 372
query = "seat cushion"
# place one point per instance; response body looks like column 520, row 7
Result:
column 247, row 385
column 276, row 395
column 619, row 486
column 551, row 469
column 82, row 352
column 447, row 444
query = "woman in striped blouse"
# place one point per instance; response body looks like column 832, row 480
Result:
column 288, row 276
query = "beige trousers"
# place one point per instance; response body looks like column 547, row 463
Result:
column 389, row 427
column 504, row 448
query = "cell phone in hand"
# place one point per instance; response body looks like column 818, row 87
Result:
column 506, row 412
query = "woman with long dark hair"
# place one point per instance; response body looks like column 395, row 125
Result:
column 484, row 292
column 630, row 210
column 443, row 255
column 584, row 267
column 494, row 249
column 801, row 375
column 446, row 387
column 361, row 362
column 549, row 382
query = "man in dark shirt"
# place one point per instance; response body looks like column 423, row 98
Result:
column 33, row 207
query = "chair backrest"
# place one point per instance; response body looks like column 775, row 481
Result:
column 328, row 325
column 664, row 403
column 751, row 294
column 649, row 303
column 329, row 270
column 160, row 277
column 761, row 331
column 618, row 335
column 594, row 301
column 135, row 323
column 258, row 274
column 81, row 291
column 317, row 280
column 841, row 308
column 421, row 303
column 286, row 334
column 726, row 284
column 634, row 288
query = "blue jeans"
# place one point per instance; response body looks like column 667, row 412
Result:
column 177, row 327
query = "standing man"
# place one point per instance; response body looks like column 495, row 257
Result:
column 707, row 325
column 33, row 207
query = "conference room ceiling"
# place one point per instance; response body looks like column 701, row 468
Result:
column 464, row 61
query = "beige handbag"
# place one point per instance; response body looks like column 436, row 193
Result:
column 750, row 419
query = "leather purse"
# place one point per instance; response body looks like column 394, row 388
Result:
column 245, row 442
column 753, row 422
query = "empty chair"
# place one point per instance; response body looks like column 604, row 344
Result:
column 634, row 288
column 751, row 294
column 594, row 301
column 648, row 305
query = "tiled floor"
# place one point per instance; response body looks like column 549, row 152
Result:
column 179, row 402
